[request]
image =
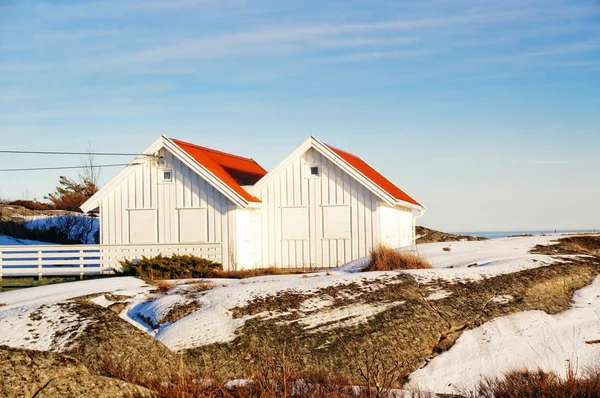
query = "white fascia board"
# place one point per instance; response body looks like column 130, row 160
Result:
column 94, row 201
column 402, row 203
column 203, row 172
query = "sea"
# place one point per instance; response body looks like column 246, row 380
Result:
column 504, row 234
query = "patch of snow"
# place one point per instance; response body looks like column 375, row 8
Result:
column 49, row 327
column 504, row 299
column 315, row 304
column 10, row 241
column 438, row 295
column 30, row 317
column 155, row 311
column 102, row 301
column 214, row 323
column 525, row 340
column 347, row 316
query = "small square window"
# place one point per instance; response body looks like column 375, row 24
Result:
column 166, row 176
column 314, row 171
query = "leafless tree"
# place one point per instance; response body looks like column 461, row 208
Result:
column 89, row 169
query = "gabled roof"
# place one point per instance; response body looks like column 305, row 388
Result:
column 233, row 170
column 225, row 172
column 355, row 167
column 374, row 176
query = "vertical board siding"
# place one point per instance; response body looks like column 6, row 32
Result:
column 293, row 187
column 143, row 190
column 396, row 226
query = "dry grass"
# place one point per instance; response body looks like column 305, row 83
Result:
column 384, row 258
column 2, row 304
column 163, row 286
column 201, row 286
column 273, row 376
column 541, row 384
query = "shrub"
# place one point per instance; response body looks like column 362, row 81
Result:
column 32, row 205
column 189, row 267
column 540, row 384
column 384, row 258
column 174, row 267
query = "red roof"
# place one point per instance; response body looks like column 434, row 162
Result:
column 374, row 176
column 233, row 170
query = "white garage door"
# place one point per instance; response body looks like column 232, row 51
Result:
column 142, row 226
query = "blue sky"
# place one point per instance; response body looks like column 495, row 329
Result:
column 488, row 112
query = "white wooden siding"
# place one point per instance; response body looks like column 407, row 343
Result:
column 142, row 189
column 396, row 226
column 294, row 187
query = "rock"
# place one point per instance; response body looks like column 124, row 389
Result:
column 85, row 385
column 24, row 372
column 27, row 373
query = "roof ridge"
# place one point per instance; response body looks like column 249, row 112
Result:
column 215, row 151
column 346, row 152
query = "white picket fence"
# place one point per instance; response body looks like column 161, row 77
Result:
column 63, row 260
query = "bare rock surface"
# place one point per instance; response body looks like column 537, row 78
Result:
column 27, row 373
column 85, row 385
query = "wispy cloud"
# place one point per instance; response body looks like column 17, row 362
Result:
column 370, row 56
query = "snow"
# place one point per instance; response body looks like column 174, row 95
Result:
column 438, row 295
column 347, row 316
column 30, row 318
column 10, row 241
column 526, row 340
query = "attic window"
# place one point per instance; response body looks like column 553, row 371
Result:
column 314, row 170
column 166, row 175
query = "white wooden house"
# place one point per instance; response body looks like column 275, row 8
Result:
column 320, row 207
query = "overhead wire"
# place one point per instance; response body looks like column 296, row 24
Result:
column 70, row 167
column 73, row 153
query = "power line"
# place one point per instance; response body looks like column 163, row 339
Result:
column 73, row 153
column 70, row 167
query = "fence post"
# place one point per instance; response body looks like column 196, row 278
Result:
column 40, row 259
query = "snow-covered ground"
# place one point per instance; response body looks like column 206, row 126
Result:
column 29, row 318
column 10, row 241
column 532, row 339
column 526, row 340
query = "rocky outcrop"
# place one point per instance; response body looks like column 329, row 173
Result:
column 27, row 373
column 426, row 235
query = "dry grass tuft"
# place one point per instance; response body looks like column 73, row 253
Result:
column 540, row 384
column 2, row 304
column 163, row 286
column 384, row 258
column 201, row 286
